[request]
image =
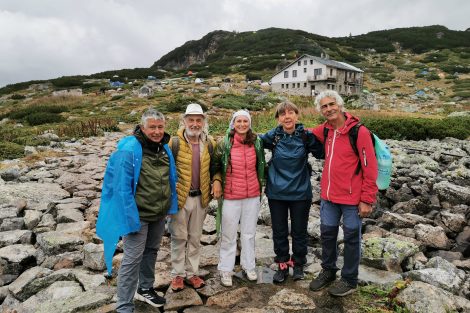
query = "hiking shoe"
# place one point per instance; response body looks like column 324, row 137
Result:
column 251, row 275
column 177, row 283
column 226, row 279
column 149, row 296
column 323, row 279
column 298, row 272
column 196, row 282
column 341, row 288
column 281, row 274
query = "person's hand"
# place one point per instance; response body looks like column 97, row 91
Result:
column 216, row 189
column 364, row 209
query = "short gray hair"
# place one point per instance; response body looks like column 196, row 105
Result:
column 329, row 94
column 151, row 113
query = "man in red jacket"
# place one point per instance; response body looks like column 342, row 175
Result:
column 348, row 189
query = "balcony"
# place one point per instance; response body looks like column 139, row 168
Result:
column 352, row 81
column 315, row 78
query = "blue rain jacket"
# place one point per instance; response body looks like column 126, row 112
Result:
column 288, row 174
column 118, row 215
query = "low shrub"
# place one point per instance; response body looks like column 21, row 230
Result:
column 40, row 118
column 87, row 128
column 11, row 150
column 32, row 109
column 17, row 97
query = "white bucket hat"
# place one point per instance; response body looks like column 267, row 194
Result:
column 237, row 114
column 193, row 109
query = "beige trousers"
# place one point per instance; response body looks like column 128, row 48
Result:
column 186, row 231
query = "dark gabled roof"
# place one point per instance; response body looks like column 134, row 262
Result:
column 328, row 62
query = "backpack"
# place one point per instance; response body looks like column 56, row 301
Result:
column 382, row 153
column 276, row 140
column 175, row 146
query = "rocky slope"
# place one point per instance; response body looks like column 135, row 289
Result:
column 52, row 261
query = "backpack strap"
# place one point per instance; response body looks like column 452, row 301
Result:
column 175, row 146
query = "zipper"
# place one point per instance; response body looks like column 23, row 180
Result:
column 329, row 166
column 364, row 156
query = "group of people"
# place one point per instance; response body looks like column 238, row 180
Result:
column 152, row 176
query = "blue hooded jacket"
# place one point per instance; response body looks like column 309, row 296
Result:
column 288, row 173
column 118, row 215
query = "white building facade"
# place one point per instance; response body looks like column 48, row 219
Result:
column 309, row 75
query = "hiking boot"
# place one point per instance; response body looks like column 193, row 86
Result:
column 323, row 279
column 251, row 275
column 196, row 282
column 149, row 296
column 226, row 279
column 341, row 288
column 177, row 283
column 298, row 272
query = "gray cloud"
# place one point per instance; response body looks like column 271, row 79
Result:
column 50, row 38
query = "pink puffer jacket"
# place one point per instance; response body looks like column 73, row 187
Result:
column 241, row 180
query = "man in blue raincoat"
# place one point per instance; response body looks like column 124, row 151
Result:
column 139, row 191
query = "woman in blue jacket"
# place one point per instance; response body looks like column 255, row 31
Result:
column 288, row 188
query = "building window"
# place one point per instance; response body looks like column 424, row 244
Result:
column 294, row 73
column 298, row 85
column 339, row 88
column 293, row 85
column 282, row 86
column 327, row 86
column 287, row 86
column 317, row 71
column 298, row 63
column 305, row 62
column 305, row 85
column 332, row 87
column 311, row 61
column 331, row 72
column 286, row 74
column 305, row 70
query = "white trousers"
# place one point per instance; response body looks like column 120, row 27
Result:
column 245, row 212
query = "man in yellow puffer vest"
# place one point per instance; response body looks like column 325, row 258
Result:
column 194, row 193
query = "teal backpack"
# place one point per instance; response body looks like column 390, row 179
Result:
column 382, row 153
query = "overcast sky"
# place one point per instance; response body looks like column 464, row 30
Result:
column 42, row 39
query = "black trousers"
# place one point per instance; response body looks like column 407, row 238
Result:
column 298, row 211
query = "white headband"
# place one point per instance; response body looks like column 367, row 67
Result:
column 237, row 114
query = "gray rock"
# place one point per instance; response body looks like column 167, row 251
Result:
column 37, row 195
column 15, row 237
column 440, row 273
column 411, row 206
column 26, row 285
column 8, row 212
column 76, row 227
column 209, row 255
column 432, row 236
column 452, row 193
column 229, row 298
column 79, row 205
column 69, row 216
column 291, row 300
column 32, row 218
column 451, row 222
column 209, row 239
column 93, row 256
column 17, row 253
column 46, row 224
column 85, row 301
column 369, row 275
column 39, row 174
column 212, row 287
column 69, row 181
column 264, row 249
column 182, row 299
column 57, row 291
column 421, row 297
column 10, row 174
column 386, row 253
column 209, row 224
column 55, row 242
column 463, row 242
column 12, row 223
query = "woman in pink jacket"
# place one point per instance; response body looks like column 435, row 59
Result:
column 240, row 159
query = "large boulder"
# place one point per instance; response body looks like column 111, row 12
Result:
column 37, row 195
column 420, row 297
column 386, row 253
column 451, row 193
column 434, row 237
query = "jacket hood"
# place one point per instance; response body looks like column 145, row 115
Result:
column 348, row 124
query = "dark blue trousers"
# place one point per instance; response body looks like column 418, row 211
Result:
column 330, row 215
column 298, row 211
